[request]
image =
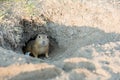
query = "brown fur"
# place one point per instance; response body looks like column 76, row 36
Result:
column 38, row 46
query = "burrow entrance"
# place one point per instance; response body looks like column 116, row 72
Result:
column 30, row 30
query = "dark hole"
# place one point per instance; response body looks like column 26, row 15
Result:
column 52, row 46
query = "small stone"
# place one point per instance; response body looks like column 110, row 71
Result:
column 19, row 58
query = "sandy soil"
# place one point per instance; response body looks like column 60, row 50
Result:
column 85, row 36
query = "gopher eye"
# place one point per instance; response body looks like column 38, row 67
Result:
column 39, row 36
column 47, row 36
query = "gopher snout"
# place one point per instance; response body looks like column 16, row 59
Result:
column 44, row 43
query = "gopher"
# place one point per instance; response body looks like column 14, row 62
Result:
column 38, row 46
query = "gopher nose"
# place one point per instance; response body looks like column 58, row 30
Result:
column 43, row 42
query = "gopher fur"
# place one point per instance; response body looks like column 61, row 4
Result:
column 38, row 46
